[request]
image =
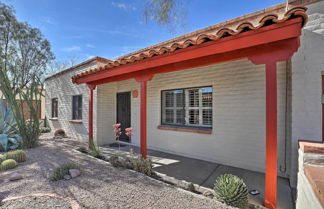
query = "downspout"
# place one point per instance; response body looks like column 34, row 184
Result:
column 283, row 169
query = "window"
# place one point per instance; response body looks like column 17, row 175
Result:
column 54, row 108
column 77, row 107
column 191, row 107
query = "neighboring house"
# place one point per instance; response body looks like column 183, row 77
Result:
column 211, row 94
column 66, row 103
column 26, row 108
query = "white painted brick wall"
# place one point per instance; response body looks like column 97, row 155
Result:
column 238, row 136
column 61, row 87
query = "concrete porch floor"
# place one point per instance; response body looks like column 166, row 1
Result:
column 204, row 173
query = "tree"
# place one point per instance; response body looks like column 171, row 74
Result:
column 56, row 66
column 170, row 13
column 24, row 55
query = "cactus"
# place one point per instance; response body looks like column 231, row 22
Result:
column 2, row 158
column 8, row 138
column 17, row 155
column 231, row 190
column 8, row 164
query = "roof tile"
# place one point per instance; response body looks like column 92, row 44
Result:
column 236, row 26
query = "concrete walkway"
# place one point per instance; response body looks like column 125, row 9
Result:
column 205, row 173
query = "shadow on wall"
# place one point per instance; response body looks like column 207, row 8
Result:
column 62, row 89
column 56, row 125
column 79, row 129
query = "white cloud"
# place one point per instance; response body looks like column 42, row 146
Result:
column 72, row 48
column 123, row 6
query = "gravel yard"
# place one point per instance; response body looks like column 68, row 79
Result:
column 36, row 202
column 99, row 186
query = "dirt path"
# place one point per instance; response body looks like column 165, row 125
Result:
column 99, row 186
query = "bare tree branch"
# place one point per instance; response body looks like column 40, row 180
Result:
column 169, row 13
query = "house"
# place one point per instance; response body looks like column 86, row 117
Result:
column 25, row 107
column 239, row 93
column 59, row 101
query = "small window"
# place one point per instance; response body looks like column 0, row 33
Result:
column 77, row 107
column 54, row 108
column 191, row 107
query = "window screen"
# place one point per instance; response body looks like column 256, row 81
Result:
column 191, row 106
column 77, row 107
column 54, row 108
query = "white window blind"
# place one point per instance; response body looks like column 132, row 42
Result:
column 191, row 107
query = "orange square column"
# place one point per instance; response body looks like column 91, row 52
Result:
column 143, row 112
column 271, row 136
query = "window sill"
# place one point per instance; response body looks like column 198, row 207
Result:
column 200, row 130
column 53, row 119
column 75, row 121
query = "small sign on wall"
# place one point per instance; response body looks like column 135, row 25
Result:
column 135, row 93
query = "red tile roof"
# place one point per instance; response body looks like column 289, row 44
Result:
column 259, row 19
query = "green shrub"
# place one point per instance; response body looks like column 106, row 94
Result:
column 191, row 187
column 95, row 153
column 127, row 163
column 114, row 161
column 2, row 158
column 231, row 190
column 8, row 164
column 45, row 129
column 63, row 170
column 143, row 165
column 17, row 155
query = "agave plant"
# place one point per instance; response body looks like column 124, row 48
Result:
column 8, row 138
column 231, row 190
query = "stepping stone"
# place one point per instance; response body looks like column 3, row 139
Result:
column 15, row 176
column 74, row 173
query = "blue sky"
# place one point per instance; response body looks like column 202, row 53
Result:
column 87, row 28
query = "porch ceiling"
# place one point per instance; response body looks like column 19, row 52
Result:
column 199, row 47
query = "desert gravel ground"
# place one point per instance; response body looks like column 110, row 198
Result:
column 36, row 202
column 99, row 186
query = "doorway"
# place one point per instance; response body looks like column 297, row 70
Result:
column 124, row 113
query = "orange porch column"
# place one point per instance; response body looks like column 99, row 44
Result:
column 90, row 123
column 270, row 56
column 271, row 136
column 143, row 112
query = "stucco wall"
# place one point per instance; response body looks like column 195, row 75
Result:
column 307, row 68
column 306, row 197
column 42, row 110
column 238, row 135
